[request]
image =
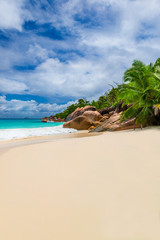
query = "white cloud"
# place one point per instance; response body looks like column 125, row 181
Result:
column 95, row 55
column 11, row 14
column 52, row 108
column 12, row 86
column 80, row 78
column 30, row 108
column 15, row 106
column 37, row 52
column 9, row 57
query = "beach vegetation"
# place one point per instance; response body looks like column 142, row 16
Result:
column 106, row 100
column 140, row 89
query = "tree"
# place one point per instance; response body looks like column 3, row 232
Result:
column 102, row 102
column 142, row 88
column 82, row 102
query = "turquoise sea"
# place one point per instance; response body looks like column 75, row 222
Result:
column 22, row 128
column 25, row 123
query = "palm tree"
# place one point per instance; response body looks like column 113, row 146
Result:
column 142, row 88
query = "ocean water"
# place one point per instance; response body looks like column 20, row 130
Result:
column 21, row 128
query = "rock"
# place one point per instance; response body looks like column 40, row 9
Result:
column 103, row 119
column 107, row 110
column 79, row 123
column 156, row 110
column 114, row 124
column 93, row 115
column 104, row 126
column 106, row 115
column 155, row 120
column 92, row 127
column 121, row 108
column 74, row 114
column 128, row 124
column 97, row 123
column 88, row 108
column 44, row 119
column 111, row 113
column 58, row 120
column 79, row 112
column 52, row 119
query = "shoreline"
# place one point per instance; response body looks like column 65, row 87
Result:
column 87, row 187
column 32, row 129
column 5, row 145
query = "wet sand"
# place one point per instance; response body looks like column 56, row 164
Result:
column 103, row 187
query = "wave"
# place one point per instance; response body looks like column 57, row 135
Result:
column 8, row 134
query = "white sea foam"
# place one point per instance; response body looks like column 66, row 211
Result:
column 8, row 134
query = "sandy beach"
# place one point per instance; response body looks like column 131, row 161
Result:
column 103, row 187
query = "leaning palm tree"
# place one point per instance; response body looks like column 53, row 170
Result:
column 142, row 88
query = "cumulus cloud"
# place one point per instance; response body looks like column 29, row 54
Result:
column 11, row 86
column 80, row 78
column 30, row 108
column 11, row 14
column 16, row 106
column 37, row 52
column 98, row 40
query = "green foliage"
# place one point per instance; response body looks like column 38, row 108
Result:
column 142, row 88
column 104, row 101
column 112, row 96
column 71, row 108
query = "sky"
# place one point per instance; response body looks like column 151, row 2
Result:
column 53, row 52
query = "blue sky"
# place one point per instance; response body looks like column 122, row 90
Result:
column 53, row 52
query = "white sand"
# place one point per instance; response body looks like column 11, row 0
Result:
column 104, row 187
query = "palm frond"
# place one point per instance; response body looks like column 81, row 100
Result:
column 141, row 87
